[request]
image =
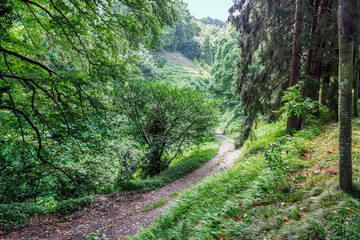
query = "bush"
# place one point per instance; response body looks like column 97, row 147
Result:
column 16, row 213
column 72, row 205
column 183, row 168
column 165, row 119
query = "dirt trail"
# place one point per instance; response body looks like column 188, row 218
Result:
column 119, row 214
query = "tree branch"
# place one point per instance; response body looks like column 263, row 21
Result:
column 39, row 6
column 50, row 71
column 40, row 147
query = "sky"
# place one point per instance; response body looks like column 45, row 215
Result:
column 218, row 9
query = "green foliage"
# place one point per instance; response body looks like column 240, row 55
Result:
column 251, row 201
column 195, row 39
column 156, row 204
column 166, row 118
column 59, row 65
column 183, row 72
column 6, row 19
column 16, row 213
column 97, row 236
column 72, row 205
column 274, row 155
column 295, row 104
column 177, row 38
column 212, row 21
column 223, row 71
column 182, row 168
column 129, row 158
column 160, row 61
column 265, row 39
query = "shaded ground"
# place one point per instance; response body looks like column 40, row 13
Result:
column 120, row 213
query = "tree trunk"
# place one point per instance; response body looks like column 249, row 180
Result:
column 313, row 28
column 293, row 122
column 324, row 90
column 356, row 76
column 346, row 26
column 155, row 165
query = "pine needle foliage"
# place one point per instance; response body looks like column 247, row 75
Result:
column 266, row 30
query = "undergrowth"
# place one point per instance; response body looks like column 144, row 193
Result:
column 278, row 189
column 11, row 215
column 182, row 168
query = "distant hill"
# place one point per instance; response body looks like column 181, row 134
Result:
column 182, row 71
column 212, row 21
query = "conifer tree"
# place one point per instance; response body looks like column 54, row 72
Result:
column 348, row 15
column 266, row 30
column 294, row 122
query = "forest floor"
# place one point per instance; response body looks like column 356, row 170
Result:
column 123, row 213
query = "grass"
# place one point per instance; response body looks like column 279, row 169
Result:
column 183, row 167
column 263, row 197
column 156, row 204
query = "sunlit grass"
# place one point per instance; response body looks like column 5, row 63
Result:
column 156, row 204
column 255, row 201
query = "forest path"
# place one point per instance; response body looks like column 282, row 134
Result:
column 120, row 214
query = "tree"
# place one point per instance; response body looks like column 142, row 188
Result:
column 206, row 51
column 58, row 65
column 266, row 30
column 348, row 16
column 356, row 72
column 166, row 118
column 294, row 122
column 265, row 34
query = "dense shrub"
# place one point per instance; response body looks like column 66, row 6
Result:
column 183, row 168
column 13, row 214
column 72, row 205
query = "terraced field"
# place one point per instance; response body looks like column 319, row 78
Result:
column 183, row 72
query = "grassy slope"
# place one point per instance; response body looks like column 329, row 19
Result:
column 181, row 167
column 254, row 201
column 183, row 72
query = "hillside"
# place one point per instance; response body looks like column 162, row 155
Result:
column 280, row 188
column 182, row 71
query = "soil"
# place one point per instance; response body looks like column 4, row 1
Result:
column 120, row 214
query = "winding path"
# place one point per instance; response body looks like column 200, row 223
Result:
column 119, row 214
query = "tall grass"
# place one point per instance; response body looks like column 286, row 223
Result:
column 255, row 200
